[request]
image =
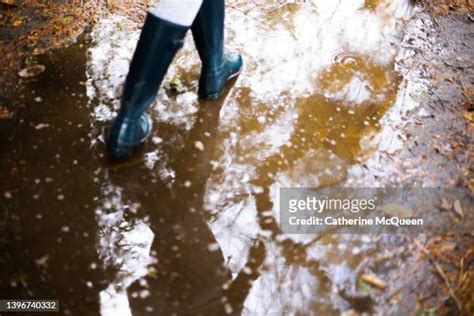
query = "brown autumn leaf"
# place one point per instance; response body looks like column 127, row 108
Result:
column 373, row 280
column 5, row 113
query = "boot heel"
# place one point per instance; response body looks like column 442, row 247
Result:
column 217, row 66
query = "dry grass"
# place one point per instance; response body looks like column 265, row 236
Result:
column 447, row 6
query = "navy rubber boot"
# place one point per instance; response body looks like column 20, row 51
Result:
column 159, row 41
column 217, row 67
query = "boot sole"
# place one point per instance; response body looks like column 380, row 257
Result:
column 216, row 96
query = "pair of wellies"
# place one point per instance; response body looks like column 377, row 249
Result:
column 159, row 41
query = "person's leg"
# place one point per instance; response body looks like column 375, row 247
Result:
column 217, row 67
column 162, row 35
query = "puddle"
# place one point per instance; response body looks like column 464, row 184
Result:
column 187, row 225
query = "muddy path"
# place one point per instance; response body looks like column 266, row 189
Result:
column 187, row 225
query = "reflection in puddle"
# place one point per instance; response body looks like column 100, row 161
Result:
column 318, row 79
column 124, row 248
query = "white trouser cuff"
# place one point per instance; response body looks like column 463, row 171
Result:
column 182, row 12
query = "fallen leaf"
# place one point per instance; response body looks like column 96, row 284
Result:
column 43, row 261
column 458, row 208
column 32, row 71
column 65, row 20
column 17, row 22
column 41, row 126
column 448, row 246
column 445, row 205
column 151, row 271
column 38, row 51
column 5, row 113
column 199, row 146
column 468, row 116
column 373, row 280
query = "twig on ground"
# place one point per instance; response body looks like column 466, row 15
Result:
column 440, row 271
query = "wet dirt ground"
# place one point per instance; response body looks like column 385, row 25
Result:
column 327, row 97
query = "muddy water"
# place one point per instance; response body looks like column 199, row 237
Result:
column 187, row 225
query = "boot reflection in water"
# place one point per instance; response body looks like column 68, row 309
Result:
column 162, row 36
